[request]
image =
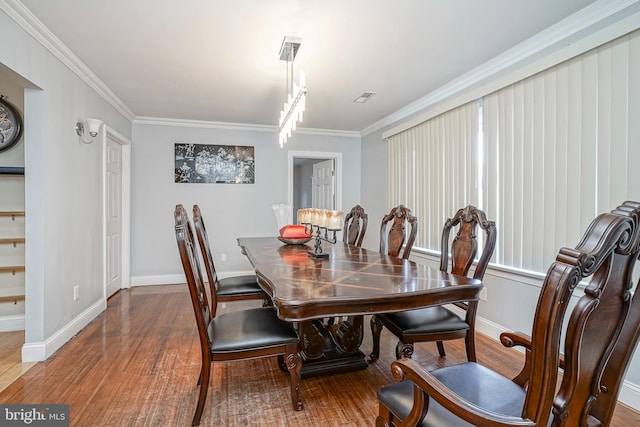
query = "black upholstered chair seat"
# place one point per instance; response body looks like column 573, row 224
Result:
column 471, row 381
column 238, row 285
column 424, row 321
column 249, row 329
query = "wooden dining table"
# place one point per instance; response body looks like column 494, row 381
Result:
column 327, row 298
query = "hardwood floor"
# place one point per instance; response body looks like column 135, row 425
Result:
column 137, row 365
column 11, row 366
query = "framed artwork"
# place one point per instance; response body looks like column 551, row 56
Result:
column 206, row 163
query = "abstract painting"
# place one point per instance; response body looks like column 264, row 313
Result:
column 219, row 164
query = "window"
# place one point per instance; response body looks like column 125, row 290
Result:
column 553, row 151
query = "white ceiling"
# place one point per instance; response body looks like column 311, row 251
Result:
column 218, row 60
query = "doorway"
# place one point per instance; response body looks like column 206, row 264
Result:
column 326, row 167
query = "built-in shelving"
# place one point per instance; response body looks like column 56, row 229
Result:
column 12, row 214
column 12, row 259
column 13, row 269
column 13, row 299
column 11, row 240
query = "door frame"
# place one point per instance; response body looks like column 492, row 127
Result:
column 126, row 208
column 291, row 155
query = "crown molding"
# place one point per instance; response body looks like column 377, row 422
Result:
column 165, row 121
column 162, row 121
column 36, row 29
column 567, row 32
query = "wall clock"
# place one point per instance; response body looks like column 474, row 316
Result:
column 10, row 124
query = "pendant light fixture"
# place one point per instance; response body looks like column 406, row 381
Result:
column 295, row 94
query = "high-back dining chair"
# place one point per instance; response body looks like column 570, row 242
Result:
column 439, row 323
column 600, row 336
column 392, row 242
column 236, row 335
column 233, row 288
column 355, row 226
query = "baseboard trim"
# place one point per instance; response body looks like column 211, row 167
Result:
column 630, row 395
column 172, row 279
column 39, row 351
column 169, row 279
column 12, row 323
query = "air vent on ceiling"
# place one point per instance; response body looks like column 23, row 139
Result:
column 364, row 97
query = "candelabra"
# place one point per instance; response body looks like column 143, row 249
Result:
column 321, row 222
column 317, row 248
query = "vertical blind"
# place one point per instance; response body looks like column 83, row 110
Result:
column 556, row 149
column 433, row 170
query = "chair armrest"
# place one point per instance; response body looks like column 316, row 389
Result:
column 513, row 339
column 431, row 387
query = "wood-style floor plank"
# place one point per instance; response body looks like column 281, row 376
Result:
column 137, row 365
column 11, row 366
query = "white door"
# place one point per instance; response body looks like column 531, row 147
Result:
column 114, row 217
column 323, row 185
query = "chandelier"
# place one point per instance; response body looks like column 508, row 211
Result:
column 295, row 94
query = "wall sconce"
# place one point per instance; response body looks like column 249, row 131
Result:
column 88, row 129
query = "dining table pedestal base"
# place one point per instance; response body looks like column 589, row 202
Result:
column 331, row 348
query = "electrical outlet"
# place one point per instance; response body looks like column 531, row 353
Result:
column 223, row 257
column 76, row 293
column 483, row 294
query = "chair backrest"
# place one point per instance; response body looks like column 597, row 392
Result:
column 355, row 226
column 392, row 242
column 465, row 243
column 618, row 364
column 604, row 258
column 191, row 266
column 464, row 248
column 207, row 257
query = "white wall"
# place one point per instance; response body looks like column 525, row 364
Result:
column 63, row 180
column 229, row 210
column 374, row 187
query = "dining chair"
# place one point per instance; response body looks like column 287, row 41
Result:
column 355, row 226
column 236, row 335
column 233, row 288
column 600, row 335
column 439, row 323
column 392, row 242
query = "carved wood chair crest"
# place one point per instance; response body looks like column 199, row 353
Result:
column 355, row 226
column 392, row 242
